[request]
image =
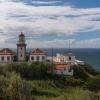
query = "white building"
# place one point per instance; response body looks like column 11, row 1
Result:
column 67, row 58
column 37, row 55
column 6, row 55
column 63, row 63
column 21, row 48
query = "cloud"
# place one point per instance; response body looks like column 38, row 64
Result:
column 90, row 43
column 45, row 2
column 58, row 21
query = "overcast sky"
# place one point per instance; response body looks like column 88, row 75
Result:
column 50, row 23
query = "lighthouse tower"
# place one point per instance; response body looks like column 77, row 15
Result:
column 21, row 48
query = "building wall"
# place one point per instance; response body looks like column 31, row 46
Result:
column 39, row 56
column 5, row 58
column 64, row 72
column 63, row 69
column 21, row 53
column 61, row 58
column 67, row 58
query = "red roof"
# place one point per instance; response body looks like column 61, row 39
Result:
column 61, row 66
column 6, row 51
column 38, row 51
column 22, row 34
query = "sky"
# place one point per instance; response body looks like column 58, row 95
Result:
column 50, row 23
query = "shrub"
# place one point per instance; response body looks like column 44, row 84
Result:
column 3, row 86
column 79, row 72
column 35, row 70
column 21, row 68
column 88, row 68
column 66, row 81
column 93, row 84
column 12, row 87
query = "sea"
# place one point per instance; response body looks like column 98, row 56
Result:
column 88, row 55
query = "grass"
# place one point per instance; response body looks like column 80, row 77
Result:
column 72, row 94
column 44, row 88
column 48, row 92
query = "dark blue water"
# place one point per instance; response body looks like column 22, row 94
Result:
column 91, row 56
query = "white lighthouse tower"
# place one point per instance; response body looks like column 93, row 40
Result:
column 21, row 48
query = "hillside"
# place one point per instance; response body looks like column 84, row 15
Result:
column 35, row 81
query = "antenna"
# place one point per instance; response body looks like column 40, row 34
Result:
column 69, row 45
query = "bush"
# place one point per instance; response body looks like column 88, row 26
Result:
column 88, row 68
column 12, row 87
column 38, row 70
column 35, row 70
column 66, row 81
column 3, row 86
column 93, row 84
column 21, row 68
column 84, row 71
column 79, row 72
column 4, row 69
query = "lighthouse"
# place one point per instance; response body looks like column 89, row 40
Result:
column 21, row 48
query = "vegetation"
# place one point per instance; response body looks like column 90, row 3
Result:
column 12, row 87
column 35, row 81
column 72, row 94
column 84, row 71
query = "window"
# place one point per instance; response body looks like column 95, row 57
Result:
column 37, row 58
column 32, row 58
column 2, row 58
column 8, row 58
column 12, row 58
column 43, row 58
column 21, row 55
column 61, row 72
column 70, row 69
column 21, row 48
column 69, row 58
